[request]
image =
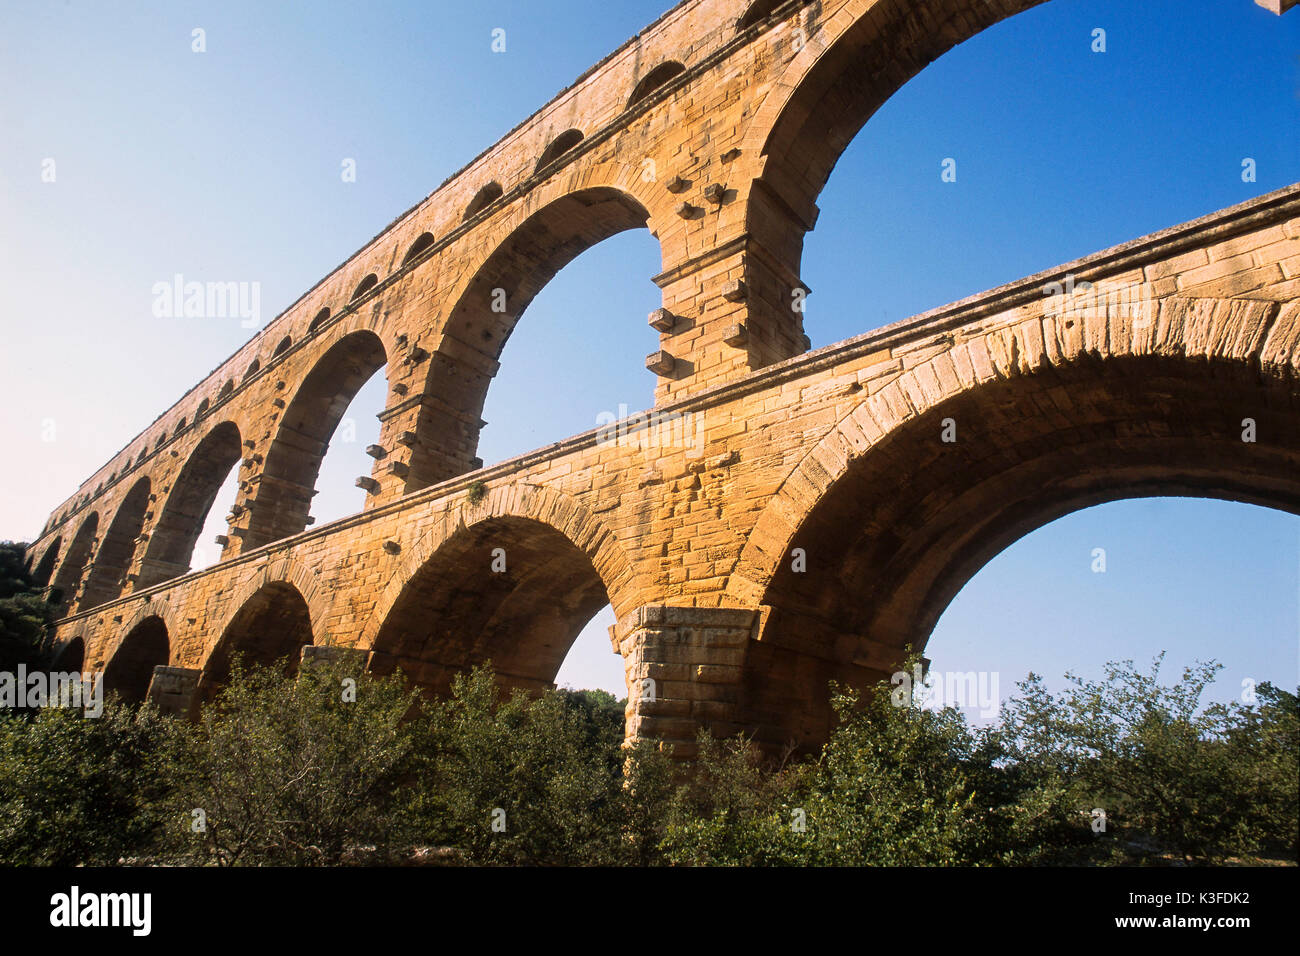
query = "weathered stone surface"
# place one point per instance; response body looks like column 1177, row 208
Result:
column 806, row 526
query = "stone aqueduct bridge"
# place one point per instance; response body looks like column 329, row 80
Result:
column 822, row 521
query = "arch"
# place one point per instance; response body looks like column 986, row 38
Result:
column 44, row 568
column 364, row 286
column 303, row 435
column 558, row 146
column 130, row 669
column 269, row 628
column 422, row 242
column 285, row 344
column 659, row 76
column 226, row 390
column 321, row 318
column 893, row 520
column 836, row 82
column 447, row 610
column 476, row 329
column 174, row 535
column 482, row 199
column 253, row 369
column 117, row 549
column 70, row 657
column 180, row 427
column 760, row 10
column 202, row 409
column 68, row 578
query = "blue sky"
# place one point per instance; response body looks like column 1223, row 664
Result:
column 225, row 166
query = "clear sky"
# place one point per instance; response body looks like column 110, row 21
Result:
column 225, row 165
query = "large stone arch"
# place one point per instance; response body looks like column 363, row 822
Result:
column 893, row 520
column 145, row 645
column 446, row 609
column 117, row 549
column 43, row 569
column 75, row 560
column 282, row 569
column 186, row 507
column 271, row 623
column 849, row 65
column 70, row 656
column 543, row 234
column 281, row 502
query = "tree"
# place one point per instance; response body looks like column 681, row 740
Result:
column 523, row 779
column 298, row 772
column 1201, row 784
column 75, row 790
column 24, row 614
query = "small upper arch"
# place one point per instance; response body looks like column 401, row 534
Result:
column 364, row 286
column 558, row 147
column 422, row 242
column 321, row 318
column 483, row 198
column 759, row 10
column 656, row 78
column 283, row 347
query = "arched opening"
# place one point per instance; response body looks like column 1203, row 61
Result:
column 226, row 390
column 285, row 344
column 117, row 550
column 71, row 657
column 661, row 75
column 760, row 10
column 45, row 567
column 457, row 611
column 558, row 147
column 130, row 669
column 68, row 578
column 909, row 521
column 924, row 151
column 482, row 199
column 1197, row 578
column 321, row 318
column 487, row 313
column 269, row 630
column 202, row 409
column 364, row 286
column 422, row 242
column 172, row 541
column 305, row 433
column 591, row 663
column 180, row 427
column 253, row 369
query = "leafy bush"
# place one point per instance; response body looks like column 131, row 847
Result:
column 1172, row 778
column 296, row 772
column 337, row 766
column 526, row 780
column 76, row 790
column 24, row 614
